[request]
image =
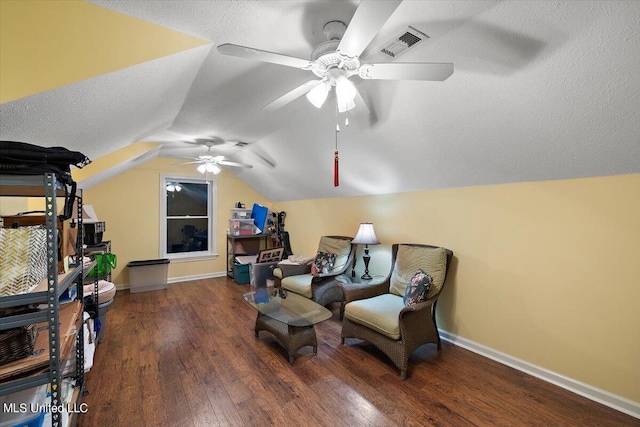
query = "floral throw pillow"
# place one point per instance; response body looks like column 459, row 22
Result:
column 418, row 288
column 323, row 263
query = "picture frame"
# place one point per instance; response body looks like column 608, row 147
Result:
column 270, row 255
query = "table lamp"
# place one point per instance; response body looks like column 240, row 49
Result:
column 366, row 236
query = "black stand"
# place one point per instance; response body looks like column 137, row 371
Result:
column 366, row 257
column 353, row 266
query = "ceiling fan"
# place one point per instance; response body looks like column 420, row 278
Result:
column 210, row 163
column 338, row 59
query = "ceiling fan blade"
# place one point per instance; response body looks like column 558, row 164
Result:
column 407, row 71
column 263, row 55
column 181, row 157
column 365, row 24
column 361, row 107
column 291, row 96
column 234, row 164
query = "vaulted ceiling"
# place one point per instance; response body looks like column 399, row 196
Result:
column 540, row 90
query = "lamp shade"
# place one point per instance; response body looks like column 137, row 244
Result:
column 318, row 94
column 366, row 235
column 345, row 93
column 88, row 213
column 209, row 166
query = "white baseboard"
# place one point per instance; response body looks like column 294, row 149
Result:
column 611, row 400
column 196, row 277
column 182, row 279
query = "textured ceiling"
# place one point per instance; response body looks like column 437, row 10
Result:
column 541, row 90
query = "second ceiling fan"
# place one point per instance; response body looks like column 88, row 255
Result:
column 210, row 162
column 337, row 59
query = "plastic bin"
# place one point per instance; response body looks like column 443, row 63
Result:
column 17, row 408
column 242, row 227
column 260, row 273
column 240, row 213
column 148, row 275
column 101, row 325
column 241, row 273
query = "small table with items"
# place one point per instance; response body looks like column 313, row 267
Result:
column 288, row 316
column 350, row 286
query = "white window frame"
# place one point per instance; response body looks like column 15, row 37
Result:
column 211, row 214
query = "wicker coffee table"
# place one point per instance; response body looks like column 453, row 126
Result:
column 288, row 316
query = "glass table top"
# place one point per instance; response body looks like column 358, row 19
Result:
column 287, row 307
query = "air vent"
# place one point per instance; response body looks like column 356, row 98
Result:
column 241, row 144
column 405, row 41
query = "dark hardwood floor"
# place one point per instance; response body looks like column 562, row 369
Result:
column 187, row 356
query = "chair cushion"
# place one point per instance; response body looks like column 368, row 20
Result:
column 277, row 272
column 379, row 313
column 340, row 247
column 418, row 288
column 300, row 284
column 410, row 259
column 323, row 263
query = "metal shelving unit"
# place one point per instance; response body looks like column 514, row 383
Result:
column 49, row 292
column 101, row 248
column 231, row 243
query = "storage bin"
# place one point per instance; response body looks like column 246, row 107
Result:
column 101, row 323
column 148, row 275
column 24, row 408
column 260, row 273
column 240, row 213
column 242, row 227
column 106, row 290
column 241, row 273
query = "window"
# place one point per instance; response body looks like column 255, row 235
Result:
column 187, row 223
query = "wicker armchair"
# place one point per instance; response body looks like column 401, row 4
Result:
column 377, row 314
column 323, row 288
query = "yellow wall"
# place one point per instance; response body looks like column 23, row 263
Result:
column 48, row 44
column 12, row 205
column 130, row 206
column 548, row 272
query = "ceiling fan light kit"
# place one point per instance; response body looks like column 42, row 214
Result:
column 318, row 94
column 345, row 94
column 337, row 59
column 209, row 166
column 208, row 163
column 174, row 186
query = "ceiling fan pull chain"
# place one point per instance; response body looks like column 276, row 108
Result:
column 336, row 180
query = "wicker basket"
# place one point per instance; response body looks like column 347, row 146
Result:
column 17, row 343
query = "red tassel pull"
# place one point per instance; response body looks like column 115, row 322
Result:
column 336, row 181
